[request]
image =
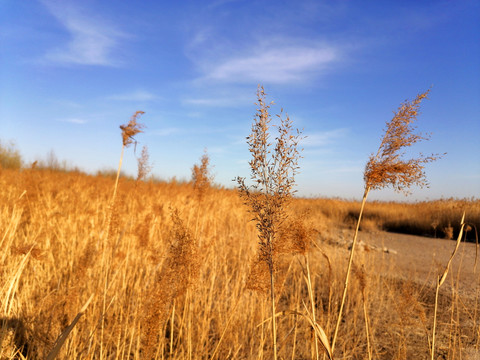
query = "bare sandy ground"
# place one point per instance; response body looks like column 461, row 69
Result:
column 423, row 259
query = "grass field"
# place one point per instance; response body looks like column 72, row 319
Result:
column 108, row 267
column 173, row 277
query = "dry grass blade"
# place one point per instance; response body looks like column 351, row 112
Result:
column 63, row 336
column 459, row 239
column 441, row 280
column 8, row 299
column 319, row 332
column 232, row 313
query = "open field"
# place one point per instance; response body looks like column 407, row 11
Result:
column 169, row 272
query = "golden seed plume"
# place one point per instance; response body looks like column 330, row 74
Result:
column 131, row 129
column 387, row 167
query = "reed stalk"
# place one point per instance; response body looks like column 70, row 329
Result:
column 388, row 168
column 273, row 168
column 441, row 280
column 349, row 268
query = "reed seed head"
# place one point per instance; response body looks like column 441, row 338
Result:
column 273, row 168
column 131, row 129
column 387, row 167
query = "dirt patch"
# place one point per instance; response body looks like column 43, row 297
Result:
column 424, row 259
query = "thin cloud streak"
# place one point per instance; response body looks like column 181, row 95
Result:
column 342, row 169
column 274, row 64
column 218, row 102
column 77, row 121
column 165, row 132
column 138, row 95
column 323, row 138
column 92, row 41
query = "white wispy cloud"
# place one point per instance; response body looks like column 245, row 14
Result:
column 342, row 169
column 272, row 63
column 165, row 132
column 66, row 103
column 232, row 101
column 92, row 40
column 323, row 138
column 137, row 95
column 77, row 121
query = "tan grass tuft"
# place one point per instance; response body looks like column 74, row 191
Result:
column 448, row 232
column 143, row 163
column 201, row 176
column 180, row 270
column 143, row 230
column 35, row 252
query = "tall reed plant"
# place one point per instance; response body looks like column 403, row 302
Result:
column 389, row 168
column 273, row 168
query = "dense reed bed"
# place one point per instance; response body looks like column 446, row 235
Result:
column 426, row 218
column 170, row 279
column 105, row 267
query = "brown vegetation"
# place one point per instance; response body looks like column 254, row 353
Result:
column 166, row 270
column 51, row 263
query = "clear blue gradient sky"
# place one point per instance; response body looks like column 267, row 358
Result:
column 72, row 71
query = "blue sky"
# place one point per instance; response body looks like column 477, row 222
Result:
column 71, row 72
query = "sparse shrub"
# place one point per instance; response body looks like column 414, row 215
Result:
column 10, row 157
column 179, row 272
column 201, row 176
column 144, row 166
column 448, row 232
column 434, row 225
column 52, row 163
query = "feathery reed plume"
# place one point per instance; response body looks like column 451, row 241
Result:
column 178, row 273
column 388, row 168
column 273, row 173
column 201, row 177
column 129, row 130
column 144, row 166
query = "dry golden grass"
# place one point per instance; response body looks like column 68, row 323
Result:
column 416, row 218
column 52, row 261
column 172, row 271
